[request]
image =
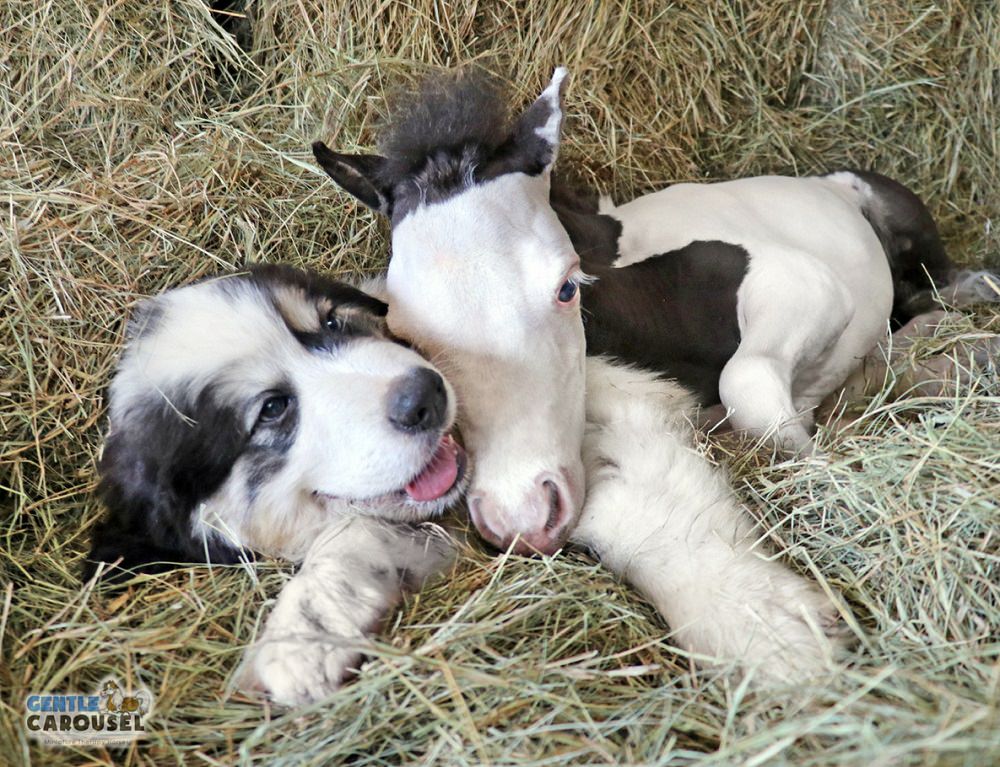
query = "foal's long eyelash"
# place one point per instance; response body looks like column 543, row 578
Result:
column 580, row 277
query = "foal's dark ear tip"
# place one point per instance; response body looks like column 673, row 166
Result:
column 319, row 148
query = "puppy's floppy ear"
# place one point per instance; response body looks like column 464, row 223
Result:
column 357, row 174
column 161, row 461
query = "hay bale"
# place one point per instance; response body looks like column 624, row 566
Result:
column 144, row 147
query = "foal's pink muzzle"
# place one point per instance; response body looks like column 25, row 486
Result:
column 540, row 523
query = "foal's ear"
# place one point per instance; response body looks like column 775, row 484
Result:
column 356, row 174
column 533, row 147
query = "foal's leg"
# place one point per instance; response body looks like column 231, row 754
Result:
column 797, row 335
column 756, row 389
column 891, row 360
column 352, row 576
column 663, row 518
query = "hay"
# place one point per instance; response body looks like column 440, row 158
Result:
column 143, row 148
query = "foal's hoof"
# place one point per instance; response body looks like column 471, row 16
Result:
column 986, row 354
column 972, row 287
column 945, row 375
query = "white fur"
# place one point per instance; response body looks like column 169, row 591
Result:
column 664, row 519
column 320, row 625
column 552, row 94
column 473, row 280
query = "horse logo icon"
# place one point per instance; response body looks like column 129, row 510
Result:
column 117, row 702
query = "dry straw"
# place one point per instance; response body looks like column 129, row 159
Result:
column 142, row 148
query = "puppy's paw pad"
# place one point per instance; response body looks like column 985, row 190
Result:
column 296, row 673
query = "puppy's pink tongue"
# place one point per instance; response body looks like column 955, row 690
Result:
column 440, row 474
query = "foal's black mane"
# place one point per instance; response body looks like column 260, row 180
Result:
column 452, row 118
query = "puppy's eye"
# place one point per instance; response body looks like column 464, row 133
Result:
column 274, row 407
column 567, row 292
column 334, row 323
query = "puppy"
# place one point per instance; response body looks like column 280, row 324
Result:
column 272, row 412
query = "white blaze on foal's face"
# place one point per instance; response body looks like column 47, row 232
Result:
column 483, row 274
column 488, row 280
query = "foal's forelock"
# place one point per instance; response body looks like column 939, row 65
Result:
column 455, row 131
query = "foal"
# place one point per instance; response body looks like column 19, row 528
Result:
column 761, row 293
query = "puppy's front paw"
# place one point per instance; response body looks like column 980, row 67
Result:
column 796, row 631
column 316, row 634
column 296, row 671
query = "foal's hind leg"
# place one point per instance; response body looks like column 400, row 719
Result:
column 757, row 391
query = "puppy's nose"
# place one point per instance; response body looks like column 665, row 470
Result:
column 418, row 401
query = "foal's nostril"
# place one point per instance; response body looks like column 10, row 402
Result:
column 538, row 525
column 555, row 504
column 418, row 401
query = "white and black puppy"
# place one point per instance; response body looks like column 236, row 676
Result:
column 272, row 412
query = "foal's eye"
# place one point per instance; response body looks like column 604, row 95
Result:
column 567, row 292
column 274, row 407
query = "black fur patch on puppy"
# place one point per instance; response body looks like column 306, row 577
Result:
column 158, row 465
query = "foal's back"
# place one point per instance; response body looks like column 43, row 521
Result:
column 761, row 292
